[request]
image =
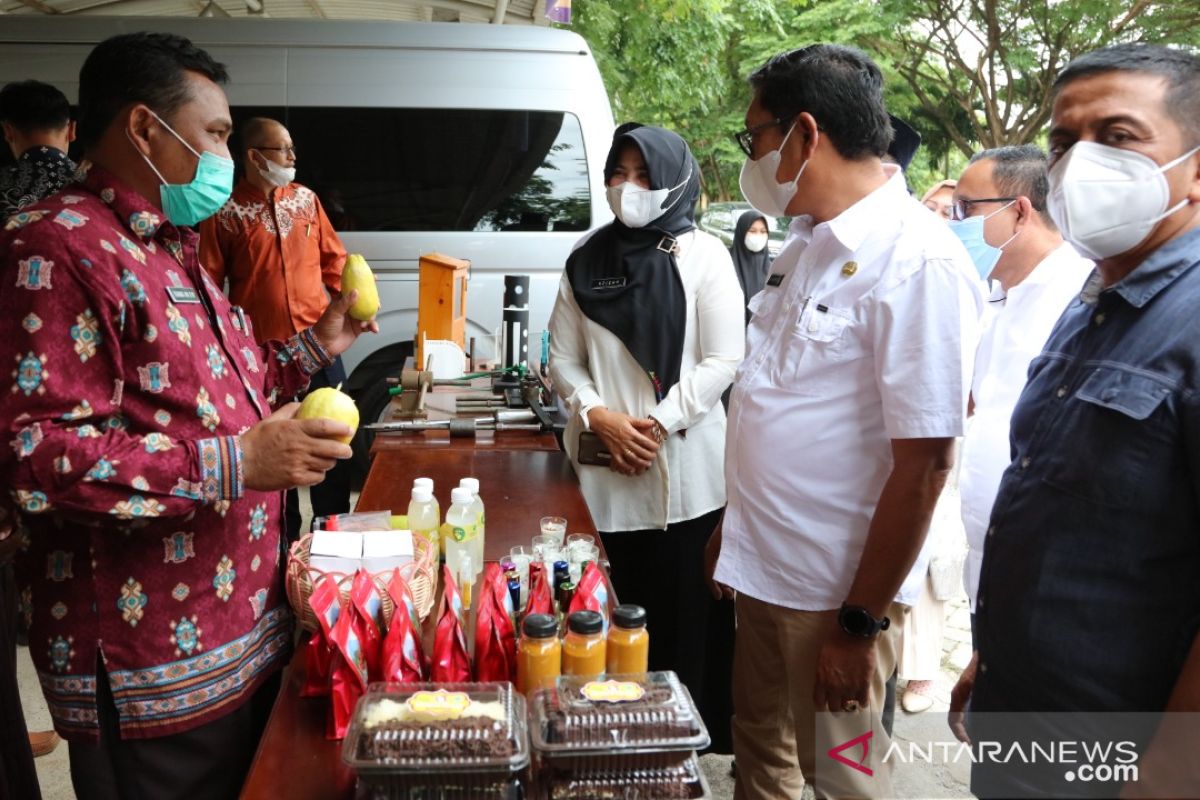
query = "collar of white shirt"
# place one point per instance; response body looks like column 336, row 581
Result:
column 853, row 225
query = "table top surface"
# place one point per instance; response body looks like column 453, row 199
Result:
column 518, row 488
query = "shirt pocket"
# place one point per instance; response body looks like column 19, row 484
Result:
column 815, row 346
column 1119, row 447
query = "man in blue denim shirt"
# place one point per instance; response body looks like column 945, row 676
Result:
column 1089, row 596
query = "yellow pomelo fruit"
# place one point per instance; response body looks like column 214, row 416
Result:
column 329, row 403
column 357, row 275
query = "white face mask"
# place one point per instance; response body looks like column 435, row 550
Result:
column 760, row 187
column 637, row 207
column 1106, row 200
column 755, row 242
column 276, row 175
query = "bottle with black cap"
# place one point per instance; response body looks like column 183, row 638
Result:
column 539, row 653
column 628, row 649
column 583, row 649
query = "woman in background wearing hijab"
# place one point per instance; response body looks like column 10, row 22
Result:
column 750, row 256
column 644, row 338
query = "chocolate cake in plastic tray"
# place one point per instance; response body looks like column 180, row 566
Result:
column 465, row 737
column 684, row 781
column 623, row 721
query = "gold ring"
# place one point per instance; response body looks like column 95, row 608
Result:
column 628, row 453
column 851, row 705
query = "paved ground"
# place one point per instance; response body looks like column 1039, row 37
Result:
column 912, row 781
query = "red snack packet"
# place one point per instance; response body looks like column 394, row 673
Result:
column 348, row 674
column 451, row 664
column 592, row 593
column 495, row 637
column 368, row 616
column 326, row 603
column 403, row 661
column 540, row 600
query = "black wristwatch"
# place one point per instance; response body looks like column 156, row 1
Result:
column 858, row 622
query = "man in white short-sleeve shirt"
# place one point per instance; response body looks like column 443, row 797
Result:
column 841, row 425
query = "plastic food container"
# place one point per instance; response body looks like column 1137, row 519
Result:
column 621, row 722
column 684, row 781
column 443, row 740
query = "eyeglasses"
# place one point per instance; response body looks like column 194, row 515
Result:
column 745, row 137
column 961, row 209
column 289, row 150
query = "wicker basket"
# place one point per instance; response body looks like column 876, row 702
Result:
column 420, row 574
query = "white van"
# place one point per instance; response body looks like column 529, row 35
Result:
column 484, row 142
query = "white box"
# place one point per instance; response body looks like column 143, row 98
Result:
column 383, row 551
column 336, row 551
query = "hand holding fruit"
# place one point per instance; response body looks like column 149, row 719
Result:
column 284, row 450
column 351, row 312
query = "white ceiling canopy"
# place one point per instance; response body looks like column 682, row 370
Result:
column 511, row 12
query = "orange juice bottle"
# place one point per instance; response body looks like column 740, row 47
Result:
column 628, row 641
column 539, row 653
column 583, row 647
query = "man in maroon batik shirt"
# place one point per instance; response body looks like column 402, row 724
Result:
column 144, row 461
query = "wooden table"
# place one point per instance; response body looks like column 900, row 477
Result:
column 294, row 758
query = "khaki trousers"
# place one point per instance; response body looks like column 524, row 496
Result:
column 779, row 739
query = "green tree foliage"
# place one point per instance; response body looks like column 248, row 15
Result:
column 967, row 74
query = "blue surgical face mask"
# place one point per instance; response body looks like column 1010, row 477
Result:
column 190, row 203
column 970, row 231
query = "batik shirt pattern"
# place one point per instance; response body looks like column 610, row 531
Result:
column 130, row 380
column 39, row 172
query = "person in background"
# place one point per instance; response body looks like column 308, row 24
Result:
column 939, row 197
column 842, row 422
column 146, row 465
column 274, row 245
column 645, row 336
column 36, row 119
column 1088, row 599
column 751, row 259
column 1001, row 196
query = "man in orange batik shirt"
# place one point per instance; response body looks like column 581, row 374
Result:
column 274, row 245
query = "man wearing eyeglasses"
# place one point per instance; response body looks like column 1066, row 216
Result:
column 1001, row 198
column 841, row 428
column 274, row 245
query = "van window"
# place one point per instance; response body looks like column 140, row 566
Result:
column 418, row 169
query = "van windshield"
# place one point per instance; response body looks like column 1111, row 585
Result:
column 421, row 169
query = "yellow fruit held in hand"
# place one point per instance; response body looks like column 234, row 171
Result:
column 356, row 275
column 329, row 403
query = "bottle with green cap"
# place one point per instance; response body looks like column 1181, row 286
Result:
column 628, row 647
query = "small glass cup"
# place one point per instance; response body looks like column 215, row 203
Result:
column 540, row 544
column 581, row 542
column 554, row 526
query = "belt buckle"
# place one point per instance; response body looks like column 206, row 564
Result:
column 672, row 245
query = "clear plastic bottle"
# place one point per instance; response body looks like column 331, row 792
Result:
column 464, row 536
column 480, row 517
column 428, row 484
column 423, row 517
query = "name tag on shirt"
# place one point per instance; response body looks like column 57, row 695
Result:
column 608, row 283
column 183, row 294
column 775, row 279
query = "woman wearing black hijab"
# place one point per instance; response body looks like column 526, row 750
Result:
column 645, row 336
column 749, row 253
